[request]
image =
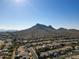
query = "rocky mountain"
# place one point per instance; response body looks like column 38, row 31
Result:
column 37, row 31
column 43, row 31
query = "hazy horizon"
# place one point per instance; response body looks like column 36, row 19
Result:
column 14, row 29
column 23, row 14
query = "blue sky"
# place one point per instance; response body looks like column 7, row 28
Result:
column 22, row 14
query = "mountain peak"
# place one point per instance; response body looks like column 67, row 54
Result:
column 43, row 26
column 62, row 29
column 40, row 24
column 51, row 27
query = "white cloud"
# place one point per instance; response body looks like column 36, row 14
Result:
column 12, row 27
